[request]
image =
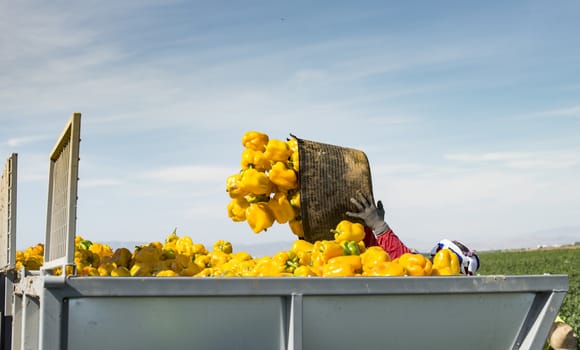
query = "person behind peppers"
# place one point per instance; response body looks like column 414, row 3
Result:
column 378, row 232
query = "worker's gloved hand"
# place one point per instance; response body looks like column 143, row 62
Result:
column 373, row 216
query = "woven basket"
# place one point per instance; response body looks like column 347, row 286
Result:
column 329, row 176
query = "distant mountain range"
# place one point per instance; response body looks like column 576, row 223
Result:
column 541, row 238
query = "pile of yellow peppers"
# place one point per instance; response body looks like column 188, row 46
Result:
column 344, row 256
column 266, row 189
column 31, row 258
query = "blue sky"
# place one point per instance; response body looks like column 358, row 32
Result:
column 468, row 112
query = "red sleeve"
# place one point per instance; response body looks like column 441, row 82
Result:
column 389, row 241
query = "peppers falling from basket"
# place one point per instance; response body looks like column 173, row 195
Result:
column 266, row 189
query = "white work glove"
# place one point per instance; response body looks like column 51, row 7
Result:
column 373, row 216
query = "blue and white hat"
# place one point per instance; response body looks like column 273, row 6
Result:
column 468, row 259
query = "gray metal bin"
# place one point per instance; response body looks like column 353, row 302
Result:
column 482, row 312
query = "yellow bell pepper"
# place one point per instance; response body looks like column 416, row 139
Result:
column 328, row 249
column 445, row 263
column 146, row 259
column 207, row 272
column 88, row 271
column 198, row 249
column 105, row 268
column 121, row 257
column 184, row 245
column 230, row 269
column 202, row 260
column 304, row 271
column 218, row 258
column 255, row 140
column 223, row 246
column 296, row 227
column 301, row 245
column 277, row 151
column 102, row 250
column 255, row 159
column 295, row 199
column 342, row 266
column 283, row 177
column 86, row 258
column 256, row 182
column 233, row 186
column 141, row 269
column 267, row 267
column 292, row 144
column 349, row 231
column 287, row 260
column 167, row 253
column 384, row 268
column 259, row 217
column 373, row 256
column 303, row 250
column 170, row 240
column 317, row 262
column 246, row 268
column 191, row 269
column 179, row 262
column 237, row 209
column 283, row 211
column 241, row 256
column 167, row 273
column 294, row 161
column 415, row 264
column 120, row 271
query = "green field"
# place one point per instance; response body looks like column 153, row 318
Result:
column 532, row 262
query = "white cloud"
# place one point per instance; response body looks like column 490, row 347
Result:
column 493, row 156
column 442, row 190
column 561, row 112
column 565, row 112
column 309, row 75
column 24, row 140
column 91, row 183
column 192, row 174
column 380, row 170
column 523, row 160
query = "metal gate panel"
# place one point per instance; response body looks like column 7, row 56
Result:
column 8, row 214
column 62, row 197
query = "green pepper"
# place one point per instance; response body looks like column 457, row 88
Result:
column 84, row 244
column 350, row 247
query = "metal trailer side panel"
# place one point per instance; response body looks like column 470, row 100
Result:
column 218, row 323
column 17, row 321
column 483, row 312
column 473, row 321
